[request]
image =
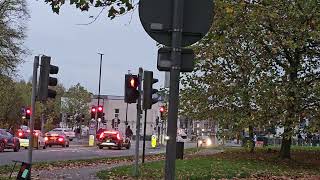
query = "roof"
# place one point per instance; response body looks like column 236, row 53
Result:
column 108, row 97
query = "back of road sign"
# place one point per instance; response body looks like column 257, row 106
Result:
column 156, row 19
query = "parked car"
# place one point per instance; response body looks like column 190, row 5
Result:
column 56, row 138
column 24, row 138
column 8, row 141
column 68, row 132
column 113, row 138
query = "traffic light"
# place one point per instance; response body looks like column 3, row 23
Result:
column 93, row 112
column 112, row 123
column 28, row 113
column 148, row 90
column 100, row 112
column 131, row 92
column 162, row 110
column 45, row 80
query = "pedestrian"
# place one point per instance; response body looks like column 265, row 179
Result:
column 129, row 132
column 300, row 139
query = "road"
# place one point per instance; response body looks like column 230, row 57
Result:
column 75, row 151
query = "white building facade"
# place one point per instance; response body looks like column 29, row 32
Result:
column 115, row 108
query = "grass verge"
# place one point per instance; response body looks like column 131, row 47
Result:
column 233, row 163
column 6, row 169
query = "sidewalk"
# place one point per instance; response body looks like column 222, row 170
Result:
column 89, row 172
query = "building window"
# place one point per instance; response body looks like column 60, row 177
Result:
column 116, row 115
column 116, row 111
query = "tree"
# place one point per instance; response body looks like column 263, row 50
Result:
column 115, row 7
column 277, row 45
column 13, row 15
column 11, row 103
column 76, row 102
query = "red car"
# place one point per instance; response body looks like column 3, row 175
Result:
column 56, row 138
column 8, row 141
column 112, row 138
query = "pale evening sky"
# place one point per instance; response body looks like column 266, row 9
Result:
column 74, row 47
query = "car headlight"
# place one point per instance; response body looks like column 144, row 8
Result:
column 209, row 142
column 200, row 142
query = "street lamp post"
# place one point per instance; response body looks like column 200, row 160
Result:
column 99, row 88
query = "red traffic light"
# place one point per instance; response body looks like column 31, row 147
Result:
column 161, row 109
column 100, row 108
column 28, row 111
column 93, row 109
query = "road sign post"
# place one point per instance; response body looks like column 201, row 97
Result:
column 186, row 24
column 33, row 107
column 136, row 165
column 177, row 26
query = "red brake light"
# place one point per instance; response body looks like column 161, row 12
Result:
column 46, row 139
column 101, row 135
column 118, row 136
column 20, row 134
column 60, row 139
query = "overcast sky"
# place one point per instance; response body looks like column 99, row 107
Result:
column 74, row 47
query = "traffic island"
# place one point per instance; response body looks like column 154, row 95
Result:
column 230, row 164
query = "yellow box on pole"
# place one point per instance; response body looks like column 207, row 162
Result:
column 91, row 140
column 153, row 141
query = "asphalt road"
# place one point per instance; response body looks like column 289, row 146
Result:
column 75, row 151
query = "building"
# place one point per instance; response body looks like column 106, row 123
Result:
column 116, row 109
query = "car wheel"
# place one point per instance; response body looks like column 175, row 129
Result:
column 119, row 147
column 50, row 145
column 70, row 139
column 16, row 148
column 45, row 147
column 67, row 145
column 64, row 145
column 128, row 146
column 25, row 147
column 2, row 146
column 109, row 147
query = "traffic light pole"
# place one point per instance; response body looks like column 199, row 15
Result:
column 136, row 167
column 177, row 25
column 33, row 107
column 144, row 135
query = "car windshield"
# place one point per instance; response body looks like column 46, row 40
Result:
column 57, row 130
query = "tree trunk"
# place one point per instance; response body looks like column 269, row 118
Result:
column 285, row 145
column 251, row 137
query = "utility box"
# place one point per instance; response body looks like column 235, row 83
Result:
column 153, row 141
column 179, row 150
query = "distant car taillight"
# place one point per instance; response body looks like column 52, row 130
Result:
column 118, row 136
column 20, row 134
column 36, row 134
column 46, row 139
column 101, row 135
column 60, row 139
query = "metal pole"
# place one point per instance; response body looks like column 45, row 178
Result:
column 127, row 116
column 43, row 116
column 96, row 117
column 33, row 107
column 174, row 89
column 136, row 170
column 127, row 108
column 144, row 135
